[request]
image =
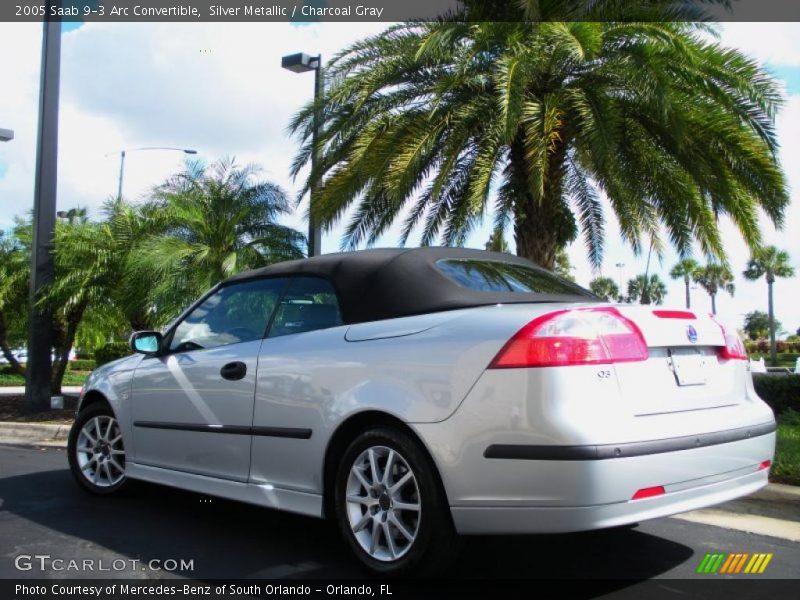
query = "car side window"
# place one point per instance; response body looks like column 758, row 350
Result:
column 309, row 304
column 231, row 315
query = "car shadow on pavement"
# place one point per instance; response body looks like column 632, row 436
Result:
column 228, row 539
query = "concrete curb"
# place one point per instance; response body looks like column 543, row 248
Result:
column 782, row 493
column 19, row 390
column 33, row 432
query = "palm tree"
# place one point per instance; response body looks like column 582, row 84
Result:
column 207, row 224
column 644, row 286
column 14, row 281
column 445, row 121
column 712, row 278
column 96, row 294
column 128, row 227
column 770, row 263
column 685, row 268
column 606, row 288
column 562, row 265
column 497, row 242
column 84, row 277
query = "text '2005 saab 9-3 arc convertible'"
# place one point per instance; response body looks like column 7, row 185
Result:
column 417, row 394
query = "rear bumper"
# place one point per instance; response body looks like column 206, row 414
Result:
column 556, row 519
column 550, row 489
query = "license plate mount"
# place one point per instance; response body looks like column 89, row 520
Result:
column 689, row 366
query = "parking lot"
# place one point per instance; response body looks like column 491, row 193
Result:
column 42, row 512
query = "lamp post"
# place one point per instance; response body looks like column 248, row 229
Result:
column 620, row 266
column 40, row 329
column 124, row 152
column 6, row 135
column 302, row 63
column 646, row 289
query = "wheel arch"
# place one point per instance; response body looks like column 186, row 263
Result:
column 347, row 431
column 92, row 398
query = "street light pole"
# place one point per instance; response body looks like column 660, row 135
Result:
column 123, row 153
column 121, row 173
column 40, row 330
column 302, row 63
column 314, row 230
column 646, row 289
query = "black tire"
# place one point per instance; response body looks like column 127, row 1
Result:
column 78, row 445
column 436, row 544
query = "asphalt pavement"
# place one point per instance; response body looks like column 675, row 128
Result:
column 43, row 512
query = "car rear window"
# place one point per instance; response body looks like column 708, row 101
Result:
column 497, row 276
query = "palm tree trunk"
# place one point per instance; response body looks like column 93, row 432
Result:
column 713, row 304
column 688, row 296
column 64, row 348
column 541, row 225
column 13, row 363
column 534, row 235
column 773, row 356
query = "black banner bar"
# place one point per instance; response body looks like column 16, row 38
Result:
column 398, row 10
column 394, row 589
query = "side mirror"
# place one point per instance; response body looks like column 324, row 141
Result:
column 146, row 342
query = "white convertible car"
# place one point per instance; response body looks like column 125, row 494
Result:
column 417, row 394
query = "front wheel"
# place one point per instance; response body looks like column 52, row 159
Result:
column 96, row 451
column 390, row 506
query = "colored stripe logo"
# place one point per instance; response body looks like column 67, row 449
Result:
column 737, row 562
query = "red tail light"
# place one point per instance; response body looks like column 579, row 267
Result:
column 765, row 464
column 648, row 492
column 733, row 348
column 582, row 336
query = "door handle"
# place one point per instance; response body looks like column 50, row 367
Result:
column 233, row 371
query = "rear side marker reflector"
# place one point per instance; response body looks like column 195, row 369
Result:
column 648, row 492
column 674, row 314
column 581, row 336
column 765, row 464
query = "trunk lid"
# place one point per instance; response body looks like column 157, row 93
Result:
column 684, row 371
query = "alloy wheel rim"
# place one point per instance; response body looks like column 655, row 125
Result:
column 384, row 508
column 100, row 452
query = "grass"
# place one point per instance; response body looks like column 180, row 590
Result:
column 786, row 467
column 70, row 378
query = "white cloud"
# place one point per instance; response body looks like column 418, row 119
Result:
column 774, row 43
column 215, row 88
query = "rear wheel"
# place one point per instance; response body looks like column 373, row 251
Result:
column 96, row 451
column 390, row 507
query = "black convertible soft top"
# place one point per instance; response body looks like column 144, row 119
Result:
column 386, row 283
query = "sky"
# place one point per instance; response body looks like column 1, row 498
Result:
column 219, row 89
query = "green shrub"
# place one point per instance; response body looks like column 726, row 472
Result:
column 786, row 346
column 81, row 364
column 786, row 466
column 781, row 346
column 111, row 351
column 781, row 392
